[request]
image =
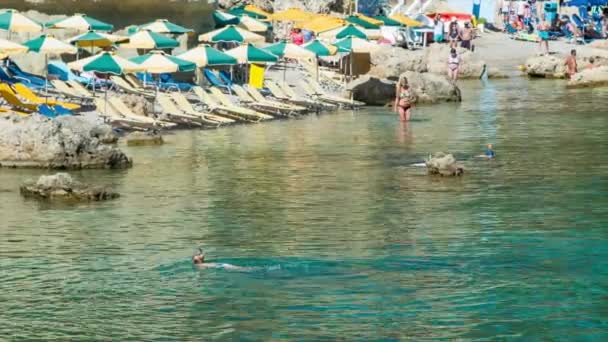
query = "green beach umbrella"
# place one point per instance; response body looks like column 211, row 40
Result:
column 240, row 11
column 289, row 50
column 13, row 21
column 97, row 39
column 248, row 53
column 149, row 40
column 164, row 26
column 231, row 33
column 343, row 32
column 80, row 22
column 356, row 44
column 388, row 21
column 223, row 19
column 205, row 55
column 158, row 62
column 321, row 49
column 363, row 23
column 48, row 44
column 106, row 63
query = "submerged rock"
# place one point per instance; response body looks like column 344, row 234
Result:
column 432, row 88
column 62, row 187
column 67, row 142
column 595, row 77
column 444, row 165
column 144, row 138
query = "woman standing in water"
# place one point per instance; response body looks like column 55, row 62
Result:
column 453, row 65
column 404, row 100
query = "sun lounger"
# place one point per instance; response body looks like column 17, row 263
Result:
column 215, row 80
column 238, row 110
column 278, row 93
column 256, row 95
column 26, row 93
column 80, row 89
column 114, row 118
column 262, row 106
column 170, row 109
column 342, row 100
column 233, row 112
column 63, row 89
column 287, row 90
column 61, row 70
column 12, row 111
column 6, row 77
column 126, row 112
column 185, row 105
column 11, row 98
column 35, row 80
column 128, row 88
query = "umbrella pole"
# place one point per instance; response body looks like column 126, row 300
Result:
column 317, row 60
column 105, row 108
column 284, row 69
column 46, row 78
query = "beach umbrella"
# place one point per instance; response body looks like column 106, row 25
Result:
column 105, row 63
column 223, row 19
column 93, row 39
column 349, row 30
column 231, row 33
column 289, row 50
column 291, row 14
column 13, row 21
column 256, row 10
column 248, row 53
column 158, row 62
column 253, row 25
column 369, row 19
column 47, row 44
column 205, row 55
column 164, row 26
column 240, row 11
column 321, row 49
column 9, row 48
column 80, row 22
column 363, row 23
column 149, row 40
column 405, row 20
column 386, row 21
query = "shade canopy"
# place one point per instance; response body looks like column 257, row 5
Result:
column 253, row 25
column 80, row 22
column 250, row 11
column 321, row 23
column 343, row 32
column 248, row 53
column 291, row 14
column 231, row 33
column 150, row 40
column 363, row 23
column 223, row 19
column 48, row 44
column 355, row 44
column 290, row 50
column 369, row 19
column 388, row 21
column 96, row 39
column 14, row 21
column 106, row 63
column 9, row 48
column 205, row 55
column 320, row 49
column 405, row 20
column 158, row 62
column 164, row 26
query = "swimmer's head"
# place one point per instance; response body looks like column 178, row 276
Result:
column 198, row 258
column 490, row 146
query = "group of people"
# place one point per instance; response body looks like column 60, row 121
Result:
column 455, row 33
column 300, row 37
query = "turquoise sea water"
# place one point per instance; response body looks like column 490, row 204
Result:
column 343, row 238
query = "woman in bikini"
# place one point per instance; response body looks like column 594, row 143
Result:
column 453, row 65
column 404, row 100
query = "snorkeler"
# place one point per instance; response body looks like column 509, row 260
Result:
column 198, row 259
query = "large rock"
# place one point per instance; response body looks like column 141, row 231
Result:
column 548, row 66
column 68, row 142
column 62, row 187
column 390, row 62
column 144, row 138
column 432, row 88
column 373, row 91
column 595, row 77
column 444, row 165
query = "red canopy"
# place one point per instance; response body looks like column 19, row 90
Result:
column 447, row 16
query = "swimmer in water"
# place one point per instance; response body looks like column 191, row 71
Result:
column 490, row 152
column 198, row 259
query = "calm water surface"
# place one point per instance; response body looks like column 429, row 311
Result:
column 345, row 240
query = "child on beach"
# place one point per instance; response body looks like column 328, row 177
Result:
column 453, row 65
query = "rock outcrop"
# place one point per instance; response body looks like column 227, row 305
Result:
column 595, row 77
column 432, row 88
column 144, row 138
column 547, row 66
column 444, row 165
column 67, row 142
column 62, row 187
column 373, row 91
column 390, row 62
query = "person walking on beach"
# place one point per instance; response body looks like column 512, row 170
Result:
column 570, row 63
column 543, row 34
column 438, row 30
column 453, row 65
column 466, row 35
column 453, row 33
column 404, row 99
